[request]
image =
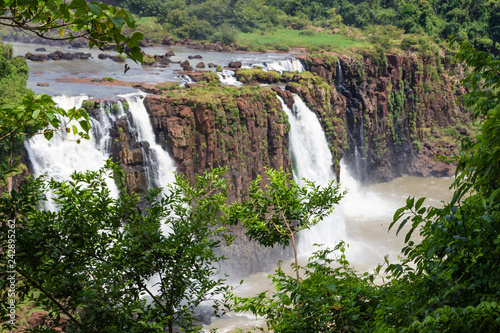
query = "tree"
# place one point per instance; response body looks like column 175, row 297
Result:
column 99, row 23
column 276, row 215
column 103, row 264
column 456, row 266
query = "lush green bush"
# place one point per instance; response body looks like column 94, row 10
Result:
column 148, row 60
column 88, row 105
column 92, row 259
column 281, row 47
column 125, row 105
column 13, row 76
column 306, row 33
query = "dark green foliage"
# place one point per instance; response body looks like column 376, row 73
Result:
column 13, row 75
column 453, row 279
column 284, row 208
column 99, row 23
column 476, row 21
column 332, row 296
column 92, row 258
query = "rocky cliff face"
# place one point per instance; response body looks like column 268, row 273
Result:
column 243, row 129
column 398, row 114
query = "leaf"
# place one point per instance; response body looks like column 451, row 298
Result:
column 95, row 8
column 75, row 4
column 118, row 21
column 430, row 252
column 136, row 54
column 35, row 114
column 419, row 203
column 85, row 125
column 402, row 224
column 48, row 135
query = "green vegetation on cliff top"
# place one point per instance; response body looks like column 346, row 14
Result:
column 296, row 38
column 230, row 21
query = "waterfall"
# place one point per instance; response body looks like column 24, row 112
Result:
column 228, row 77
column 340, row 84
column 59, row 157
column 184, row 79
column 286, row 65
column 312, row 159
column 161, row 164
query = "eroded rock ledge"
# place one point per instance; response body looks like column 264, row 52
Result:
column 243, row 129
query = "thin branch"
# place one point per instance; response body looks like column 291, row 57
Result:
column 46, row 293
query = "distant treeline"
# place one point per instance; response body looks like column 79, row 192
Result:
column 219, row 20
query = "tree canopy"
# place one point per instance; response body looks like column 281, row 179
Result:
column 99, row 23
column 476, row 21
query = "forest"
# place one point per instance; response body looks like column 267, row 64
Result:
column 101, row 263
column 222, row 21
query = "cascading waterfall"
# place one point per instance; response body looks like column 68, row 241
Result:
column 161, row 164
column 340, row 84
column 312, row 159
column 228, row 77
column 59, row 157
column 185, row 79
column 286, row 65
column 103, row 123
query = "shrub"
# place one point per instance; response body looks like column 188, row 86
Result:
column 88, row 105
column 260, row 48
column 306, row 33
column 148, row 60
column 125, row 106
column 417, row 145
column 281, row 47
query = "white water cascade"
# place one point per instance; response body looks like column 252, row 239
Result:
column 185, row 79
column 286, row 65
column 162, row 166
column 59, row 157
column 228, row 77
column 312, row 160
